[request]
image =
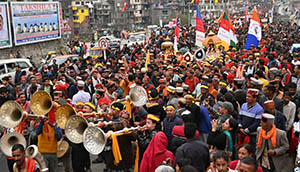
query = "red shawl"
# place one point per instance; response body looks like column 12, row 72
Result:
column 30, row 165
column 156, row 153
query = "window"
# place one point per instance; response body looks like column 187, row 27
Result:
column 165, row 12
column 23, row 65
column 2, row 69
column 82, row 11
column 10, row 67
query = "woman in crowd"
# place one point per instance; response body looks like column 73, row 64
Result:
column 221, row 162
column 245, row 150
column 156, row 153
column 223, row 140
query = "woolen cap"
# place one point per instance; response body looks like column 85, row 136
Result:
column 269, row 118
column 227, row 105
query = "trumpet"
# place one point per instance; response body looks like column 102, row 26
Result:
column 94, row 138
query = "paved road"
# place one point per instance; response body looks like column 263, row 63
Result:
column 95, row 167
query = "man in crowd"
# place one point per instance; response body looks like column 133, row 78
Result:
column 22, row 163
column 250, row 116
column 81, row 96
column 195, row 150
column 170, row 121
column 272, row 145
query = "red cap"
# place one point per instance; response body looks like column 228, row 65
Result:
column 23, row 77
column 38, row 75
column 146, row 77
column 95, row 71
column 99, row 86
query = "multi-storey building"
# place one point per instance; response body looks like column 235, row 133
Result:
column 142, row 11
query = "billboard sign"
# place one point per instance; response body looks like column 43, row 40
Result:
column 5, row 36
column 35, row 21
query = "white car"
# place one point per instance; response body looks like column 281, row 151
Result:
column 136, row 39
column 113, row 42
column 7, row 67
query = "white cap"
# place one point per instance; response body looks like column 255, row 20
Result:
column 143, row 70
column 80, row 83
column 266, row 117
column 179, row 89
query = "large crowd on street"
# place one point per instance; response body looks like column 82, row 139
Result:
column 237, row 110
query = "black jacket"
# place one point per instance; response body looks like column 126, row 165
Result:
column 195, row 111
column 278, row 102
column 280, row 120
column 197, row 151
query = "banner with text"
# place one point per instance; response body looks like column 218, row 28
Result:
column 35, row 21
column 5, row 36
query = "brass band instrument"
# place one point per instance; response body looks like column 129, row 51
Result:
column 41, row 103
column 138, row 96
column 11, row 114
column 33, row 152
column 75, row 127
column 9, row 140
column 31, row 117
column 62, row 148
column 94, row 139
column 104, row 123
column 62, row 115
column 98, row 115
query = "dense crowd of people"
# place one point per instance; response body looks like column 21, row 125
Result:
column 238, row 111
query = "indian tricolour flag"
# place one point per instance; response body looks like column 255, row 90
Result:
column 227, row 32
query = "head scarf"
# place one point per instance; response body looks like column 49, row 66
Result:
column 156, row 153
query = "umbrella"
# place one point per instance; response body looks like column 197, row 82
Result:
column 211, row 38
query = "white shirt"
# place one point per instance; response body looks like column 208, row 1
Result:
column 289, row 111
column 95, row 81
column 81, row 96
column 295, row 63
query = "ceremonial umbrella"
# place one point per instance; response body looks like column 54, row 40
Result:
column 211, row 38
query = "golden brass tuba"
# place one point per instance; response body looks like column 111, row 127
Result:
column 62, row 115
column 11, row 114
column 138, row 96
column 33, row 152
column 9, row 140
column 75, row 127
column 41, row 103
column 94, row 139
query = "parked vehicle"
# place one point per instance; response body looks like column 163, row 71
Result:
column 95, row 52
column 61, row 59
column 136, row 39
column 7, row 66
column 113, row 42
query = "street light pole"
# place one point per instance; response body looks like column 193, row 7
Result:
column 189, row 13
